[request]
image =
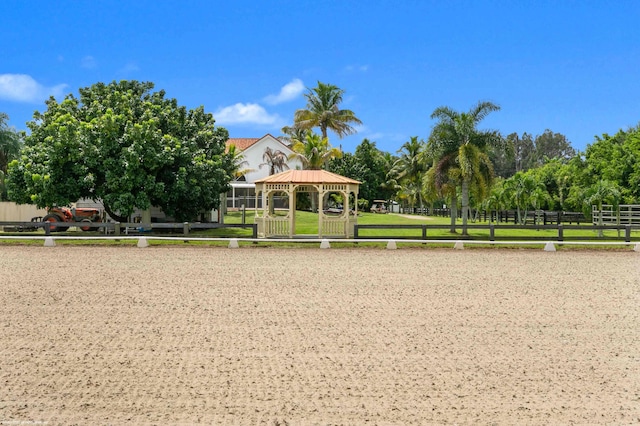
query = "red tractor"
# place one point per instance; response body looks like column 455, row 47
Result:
column 63, row 214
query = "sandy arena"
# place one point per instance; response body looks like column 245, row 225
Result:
column 166, row 335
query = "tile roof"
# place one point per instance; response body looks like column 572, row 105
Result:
column 307, row 176
column 241, row 143
column 244, row 143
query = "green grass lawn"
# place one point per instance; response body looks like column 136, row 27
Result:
column 307, row 223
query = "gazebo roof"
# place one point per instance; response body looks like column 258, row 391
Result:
column 308, row 176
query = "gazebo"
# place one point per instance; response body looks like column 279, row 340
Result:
column 338, row 223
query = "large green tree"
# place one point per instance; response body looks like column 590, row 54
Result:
column 368, row 165
column 551, row 145
column 462, row 151
column 377, row 166
column 126, row 145
column 323, row 111
column 616, row 159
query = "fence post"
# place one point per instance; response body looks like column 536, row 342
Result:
column 185, row 228
column 255, row 230
column 355, row 231
column 627, row 233
column 116, row 228
column 47, row 228
column 492, row 232
column 424, row 232
column 560, row 232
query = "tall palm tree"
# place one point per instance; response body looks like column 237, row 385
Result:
column 460, row 146
column 276, row 160
column 323, row 111
column 410, row 168
column 314, row 152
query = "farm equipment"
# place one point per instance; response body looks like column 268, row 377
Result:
column 63, row 214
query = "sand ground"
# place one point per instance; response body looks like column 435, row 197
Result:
column 166, row 335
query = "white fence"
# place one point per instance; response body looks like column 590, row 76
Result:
column 625, row 214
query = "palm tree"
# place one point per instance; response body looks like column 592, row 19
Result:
column 293, row 134
column 524, row 190
column 462, row 150
column 410, row 167
column 276, row 160
column 323, row 111
column 314, row 152
column 240, row 164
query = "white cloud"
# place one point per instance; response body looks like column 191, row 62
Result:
column 244, row 113
column 23, row 88
column 288, row 92
column 356, row 68
column 88, row 62
column 130, row 67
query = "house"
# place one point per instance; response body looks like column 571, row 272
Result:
column 253, row 151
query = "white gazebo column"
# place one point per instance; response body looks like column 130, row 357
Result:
column 345, row 211
column 320, row 189
column 292, row 209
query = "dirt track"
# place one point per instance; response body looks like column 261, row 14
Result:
column 95, row 335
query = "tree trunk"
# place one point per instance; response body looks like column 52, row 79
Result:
column 465, row 206
column 454, row 212
column 114, row 215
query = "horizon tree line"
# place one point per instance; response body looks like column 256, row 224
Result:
column 459, row 164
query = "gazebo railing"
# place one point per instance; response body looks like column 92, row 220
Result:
column 276, row 226
column 333, row 226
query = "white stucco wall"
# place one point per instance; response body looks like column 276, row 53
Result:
column 12, row 212
column 253, row 155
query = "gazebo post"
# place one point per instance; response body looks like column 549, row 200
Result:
column 345, row 211
column 292, row 209
column 320, row 208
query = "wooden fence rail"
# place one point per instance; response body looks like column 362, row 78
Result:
column 559, row 228
column 117, row 228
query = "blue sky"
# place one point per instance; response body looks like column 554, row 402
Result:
column 569, row 66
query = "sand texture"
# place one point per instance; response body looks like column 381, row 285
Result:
column 166, row 335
